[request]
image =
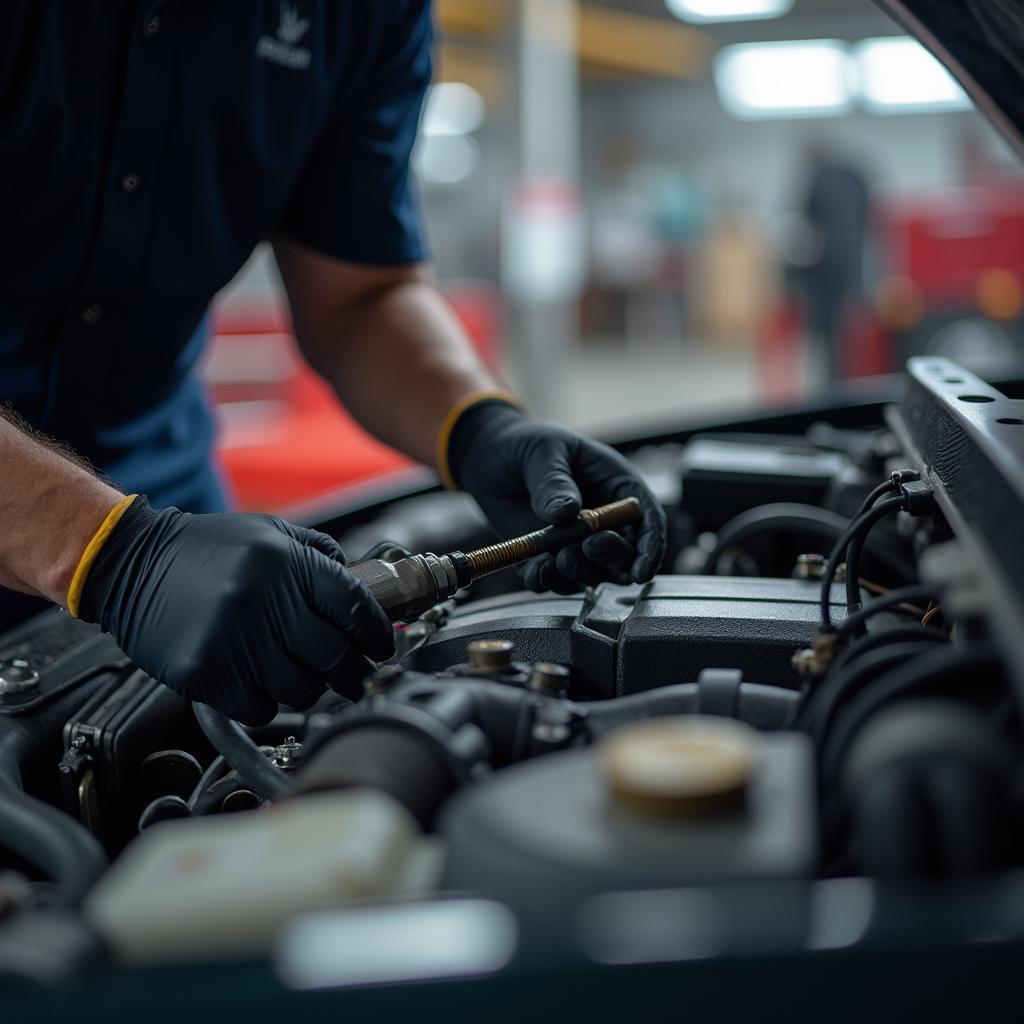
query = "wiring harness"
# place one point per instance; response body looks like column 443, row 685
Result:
column 902, row 492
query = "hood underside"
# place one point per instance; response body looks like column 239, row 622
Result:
column 982, row 44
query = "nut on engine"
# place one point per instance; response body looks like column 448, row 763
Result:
column 816, row 659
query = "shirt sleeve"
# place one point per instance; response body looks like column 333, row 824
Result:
column 354, row 199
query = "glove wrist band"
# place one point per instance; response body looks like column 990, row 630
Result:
column 92, row 550
column 455, row 415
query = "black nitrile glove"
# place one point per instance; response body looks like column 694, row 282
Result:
column 237, row 611
column 526, row 474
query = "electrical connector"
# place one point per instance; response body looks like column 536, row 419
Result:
column 904, row 476
column 918, row 498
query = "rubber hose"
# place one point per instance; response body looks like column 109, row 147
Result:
column 210, row 799
column 232, row 742
column 823, row 524
column 851, row 657
column 883, row 637
column 385, row 757
column 764, row 707
column 65, row 851
column 217, row 770
column 605, row 715
column 934, row 668
column 826, row 702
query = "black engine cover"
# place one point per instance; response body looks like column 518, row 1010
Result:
column 622, row 640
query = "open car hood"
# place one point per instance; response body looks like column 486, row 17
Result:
column 982, row 44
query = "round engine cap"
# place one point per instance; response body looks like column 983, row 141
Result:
column 17, row 677
column 489, row 655
column 685, row 764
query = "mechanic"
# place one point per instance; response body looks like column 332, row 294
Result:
column 145, row 148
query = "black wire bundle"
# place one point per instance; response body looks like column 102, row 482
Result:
column 853, row 625
column 856, row 665
column 858, row 529
column 816, row 524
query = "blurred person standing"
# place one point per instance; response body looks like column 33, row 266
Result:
column 831, row 274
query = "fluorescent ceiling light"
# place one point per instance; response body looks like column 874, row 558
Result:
column 805, row 78
column 453, row 108
column 898, row 74
column 727, row 10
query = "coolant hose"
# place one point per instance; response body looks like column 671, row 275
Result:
column 765, row 707
column 49, row 839
column 232, row 742
column 427, row 736
column 387, row 758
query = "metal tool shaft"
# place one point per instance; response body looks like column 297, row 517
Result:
column 508, row 553
column 407, row 588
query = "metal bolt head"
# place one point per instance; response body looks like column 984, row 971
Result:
column 809, row 567
column 489, row 655
column 17, row 677
column 551, row 733
column 383, row 679
column 549, row 677
column 287, row 755
column 816, row 659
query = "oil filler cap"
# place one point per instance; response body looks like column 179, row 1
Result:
column 682, row 765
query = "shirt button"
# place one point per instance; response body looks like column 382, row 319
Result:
column 130, row 182
column 152, row 26
column 91, row 313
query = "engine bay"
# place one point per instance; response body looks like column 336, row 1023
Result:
column 821, row 688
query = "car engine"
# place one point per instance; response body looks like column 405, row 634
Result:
column 820, row 689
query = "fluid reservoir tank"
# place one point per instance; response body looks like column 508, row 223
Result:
column 660, row 803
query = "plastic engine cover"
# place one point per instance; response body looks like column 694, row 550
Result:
column 621, row 640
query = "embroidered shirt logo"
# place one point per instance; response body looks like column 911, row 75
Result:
column 284, row 50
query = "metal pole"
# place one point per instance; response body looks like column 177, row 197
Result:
column 542, row 244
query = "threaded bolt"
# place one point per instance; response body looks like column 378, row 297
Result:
column 504, row 554
column 613, row 516
column 507, row 553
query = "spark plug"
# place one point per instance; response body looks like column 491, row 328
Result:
column 407, row 588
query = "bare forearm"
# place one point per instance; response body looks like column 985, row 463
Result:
column 50, row 506
column 406, row 364
column 387, row 342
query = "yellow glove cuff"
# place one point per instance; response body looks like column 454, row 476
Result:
column 464, row 405
column 92, row 549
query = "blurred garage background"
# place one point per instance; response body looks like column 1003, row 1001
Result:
column 646, row 210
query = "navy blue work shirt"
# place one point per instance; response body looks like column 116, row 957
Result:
column 145, row 148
